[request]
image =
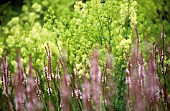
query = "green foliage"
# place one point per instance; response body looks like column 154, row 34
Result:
column 151, row 15
column 93, row 24
column 77, row 27
column 27, row 33
column 96, row 24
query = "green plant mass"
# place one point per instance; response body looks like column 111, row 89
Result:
column 81, row 55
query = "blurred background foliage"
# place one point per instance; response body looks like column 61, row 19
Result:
column 78, row 26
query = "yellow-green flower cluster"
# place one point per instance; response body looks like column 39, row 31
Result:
column 123, row 11
column 133, row 14
column 36, row 7
column 80, row 7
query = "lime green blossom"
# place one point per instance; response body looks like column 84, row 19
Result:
column 36, row 7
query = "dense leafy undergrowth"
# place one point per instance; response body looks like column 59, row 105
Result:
column 146, row 83
column 85, row 55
